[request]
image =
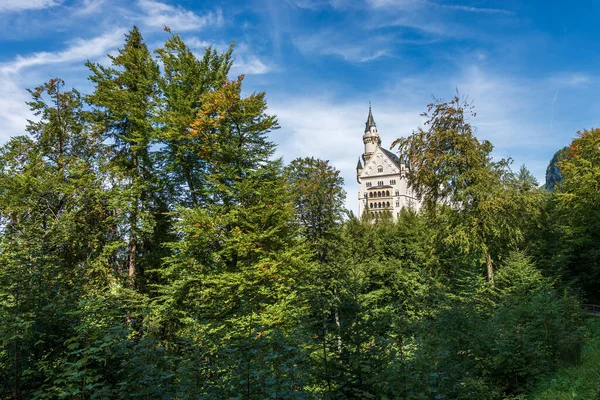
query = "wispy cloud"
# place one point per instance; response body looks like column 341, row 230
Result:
column 309, row 4
column 571, row 79
column 479, row 10
column 78, row 50
column 245, row 61
column 399, row 4
column 13, row 110
column 249, row 64
column 20, row 5
column 28, row 71
column 88, row 7
column 417, row 4
column 329, row 44
column 159, row 14
column 430, row 18
column 199, row 44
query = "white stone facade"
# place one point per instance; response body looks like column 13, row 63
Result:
column 382, row 177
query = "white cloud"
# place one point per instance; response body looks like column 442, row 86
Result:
column 478, row 10
column 20, row 5
column 34, row 69
column 88, row 7
column 13, row 110
column 571, row 79
column 244, row 61
column 309, row 4
column 417, row 4
column 249, row 64
column 319, row 4
column 329, row 44
column 401, row 4
column 78, row 50
column 198, row 44
column 159, row 14
column 428, row 17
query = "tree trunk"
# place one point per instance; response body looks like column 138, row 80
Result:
column 325, row 362
column 133, row 229
column 132, row 243
column 16, row 375
column 488, row 258
column 339, row 336
column 339, row 328
column 490, row 269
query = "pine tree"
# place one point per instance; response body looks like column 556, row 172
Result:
column 54, row 228
column 125, row 100
column 184, row 81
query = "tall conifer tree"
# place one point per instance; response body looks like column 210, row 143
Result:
column 126, row 101
column 184, row 81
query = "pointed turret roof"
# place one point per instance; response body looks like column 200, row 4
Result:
column 370, row 120
column 359, row 165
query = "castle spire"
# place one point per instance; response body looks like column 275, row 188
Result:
column 370, row 120
column 371, row 138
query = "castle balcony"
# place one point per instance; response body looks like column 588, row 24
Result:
column 379, row 204
column 378, row 192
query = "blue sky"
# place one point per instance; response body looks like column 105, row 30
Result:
column 531, row 67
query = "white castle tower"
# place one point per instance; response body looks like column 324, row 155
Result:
column 381, row 177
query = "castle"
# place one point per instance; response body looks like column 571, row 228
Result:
column 382, row 177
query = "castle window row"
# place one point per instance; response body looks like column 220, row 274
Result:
column 380, row 204
column 380, row 193
column 392, row 182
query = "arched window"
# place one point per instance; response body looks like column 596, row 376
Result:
column 387, row 193
column 370, row 194
column 387, row 204
column 379, row 168
column 379, row 204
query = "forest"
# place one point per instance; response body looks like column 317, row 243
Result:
column 152, row 247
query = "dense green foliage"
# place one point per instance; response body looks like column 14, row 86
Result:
column 580, row 381
column 151, row 247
